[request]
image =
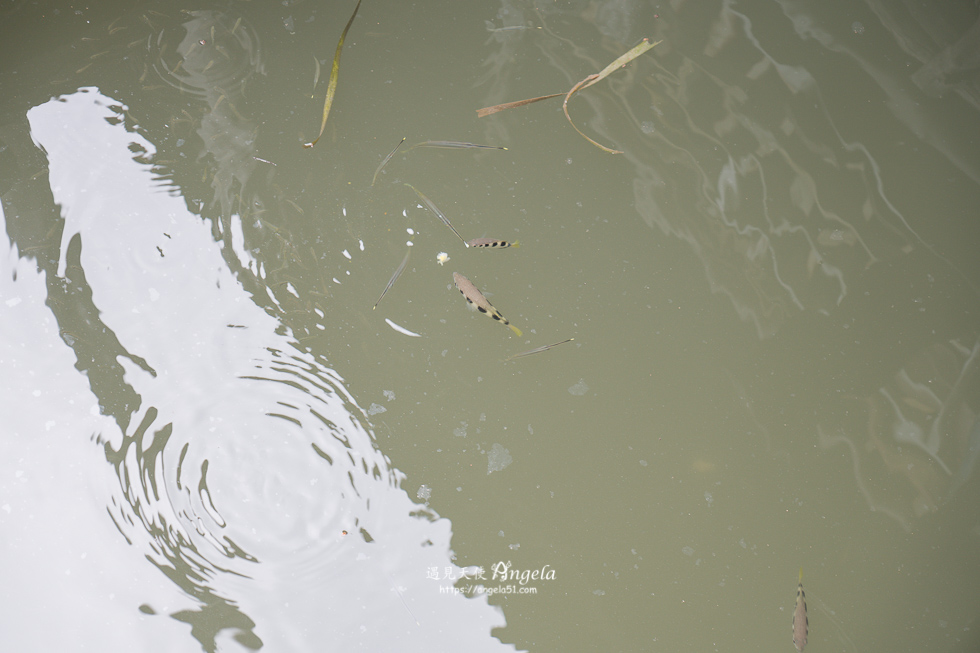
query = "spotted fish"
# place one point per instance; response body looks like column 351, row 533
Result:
column 800, row 624
column 475, row 297
column 491, row 243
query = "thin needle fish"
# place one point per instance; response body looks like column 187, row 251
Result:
column 456, row 145
column 398, row 591
column 394, row 278
column 491, row 243
column 801, row 626
column 432, row 207
column 475, row 297
column 385, row 161
column 537, row 350
column 316, row 76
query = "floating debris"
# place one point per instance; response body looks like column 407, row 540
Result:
column 486, row 111
column 632, row 54
column 441, row 258
column 332, row 86
column 594, row 79
column 498, row 459
column 401, row 329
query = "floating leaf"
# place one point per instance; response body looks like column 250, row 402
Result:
column 585, row 83
column 593, row 79
column 486, row 111
column 332, row 86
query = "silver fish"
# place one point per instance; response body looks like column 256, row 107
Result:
column 492, row 243
column 537, row 350
column 801, row 626
column 394, row 278
column 385, row 161
column 432, row 207
column 456, row 145
column 475, row 297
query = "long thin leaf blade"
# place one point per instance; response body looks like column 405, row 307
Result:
column 486, row 111
column 633, row 53
column 332, row 86
column 592, row 79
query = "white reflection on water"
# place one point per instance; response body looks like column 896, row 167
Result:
column 924, row 426
column 239, row 466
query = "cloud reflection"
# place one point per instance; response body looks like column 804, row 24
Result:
column 245, row 471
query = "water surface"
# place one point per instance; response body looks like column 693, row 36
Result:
column 217, row 443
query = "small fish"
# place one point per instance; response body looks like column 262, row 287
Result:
column 800, row 624
column 316, row 75
column 491, row 243
column 394, row 278
column 385, row 161
column 475, row 297
column 456, row 145
column 432, row 207
column 537, row 350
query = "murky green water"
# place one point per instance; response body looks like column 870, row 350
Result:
column 214, row 441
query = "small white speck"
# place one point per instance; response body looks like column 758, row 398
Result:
column 409, row 243
column 442, row 257
column 362, row 244
column 344, row 209
column 336, row 281
column 347, row 254
column 405, row 212
column 411, row 232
